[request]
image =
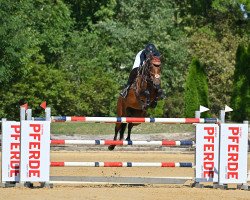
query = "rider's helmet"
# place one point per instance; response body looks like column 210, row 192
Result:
column 150, row 49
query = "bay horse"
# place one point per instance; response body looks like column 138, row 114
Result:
column 142, row 94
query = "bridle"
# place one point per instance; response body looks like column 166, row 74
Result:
column 146, row 73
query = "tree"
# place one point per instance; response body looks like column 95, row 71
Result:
column 90, row 11
column 32, row 31
column 196, row 88
column 42, row 83
column 32, row 37
column 240, row 101
column 111, row 43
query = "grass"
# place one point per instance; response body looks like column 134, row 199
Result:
column 71, row 128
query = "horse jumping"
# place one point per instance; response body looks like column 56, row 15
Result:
column 143, row 93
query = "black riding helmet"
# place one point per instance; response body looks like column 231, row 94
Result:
column 150, row 48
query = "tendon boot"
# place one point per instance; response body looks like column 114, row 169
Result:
column 124, row 92
column 160, row 94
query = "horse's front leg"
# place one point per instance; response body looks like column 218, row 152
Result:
column 130, row 126
column 117, row 128
column 147, row 95
column 159, row 93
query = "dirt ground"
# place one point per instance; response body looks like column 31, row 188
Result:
column 122, row 192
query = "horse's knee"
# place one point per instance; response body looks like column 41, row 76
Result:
column 146, row 93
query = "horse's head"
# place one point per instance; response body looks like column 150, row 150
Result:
column 155, row 70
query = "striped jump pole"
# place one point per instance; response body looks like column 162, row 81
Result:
column 132, row 120
column 121, row 164
column 124, row 142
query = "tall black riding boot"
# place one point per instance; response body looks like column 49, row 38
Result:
column 131, row 79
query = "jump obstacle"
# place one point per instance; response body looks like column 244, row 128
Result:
column 125, row 143
column 133, row 120
column 207, row 146
column 120, row 164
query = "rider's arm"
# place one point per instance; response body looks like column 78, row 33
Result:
column 137, row 60
column 142, row 58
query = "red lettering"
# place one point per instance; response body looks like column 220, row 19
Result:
column 14, row 173
column 235, row 130
column 14, row 146
column 15, row 155
column 234, row 139
column 208, row 147
column 36, row 136
column 34, row 154
column 15, row 136
column 208, row 165
column 232, row 175
column 34, row 150
column 14, row 164
column 34, row 145
column 35, row 173
column 232, row 166
column 208, row 156
column 16, row 128
column 209, row 138
column 210, row 130
column 36, row 127
column 233, row 156
column 208, row 174
column 34, row 164
column 232, row 147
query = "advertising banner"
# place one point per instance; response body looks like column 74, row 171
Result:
column 35, row 151
column 233, row 153
column 207, row 153
column 10, row 151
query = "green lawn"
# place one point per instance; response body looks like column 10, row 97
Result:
column 70, row 128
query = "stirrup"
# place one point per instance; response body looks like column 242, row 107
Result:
column 124, row 92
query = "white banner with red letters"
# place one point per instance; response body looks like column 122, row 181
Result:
column 35, row 151
column 10, row 151
column 233, row 153
column 207, row 153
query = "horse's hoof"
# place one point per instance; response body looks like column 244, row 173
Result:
column 128, row 139
column 111, row 147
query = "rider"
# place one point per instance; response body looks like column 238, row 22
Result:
column 139, row 61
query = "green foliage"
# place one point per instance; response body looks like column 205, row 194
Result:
column 225, row 5
column 97, row 94
column 158, row 111
column 31, row 31
column 90, row 11
column 240, row 101
column 196, row 90
column 217, row 53
column 174, row 105
column 40, row 84
column 191, row 92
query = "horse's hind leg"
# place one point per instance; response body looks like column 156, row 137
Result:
column 122, row 130
column 130, row 126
